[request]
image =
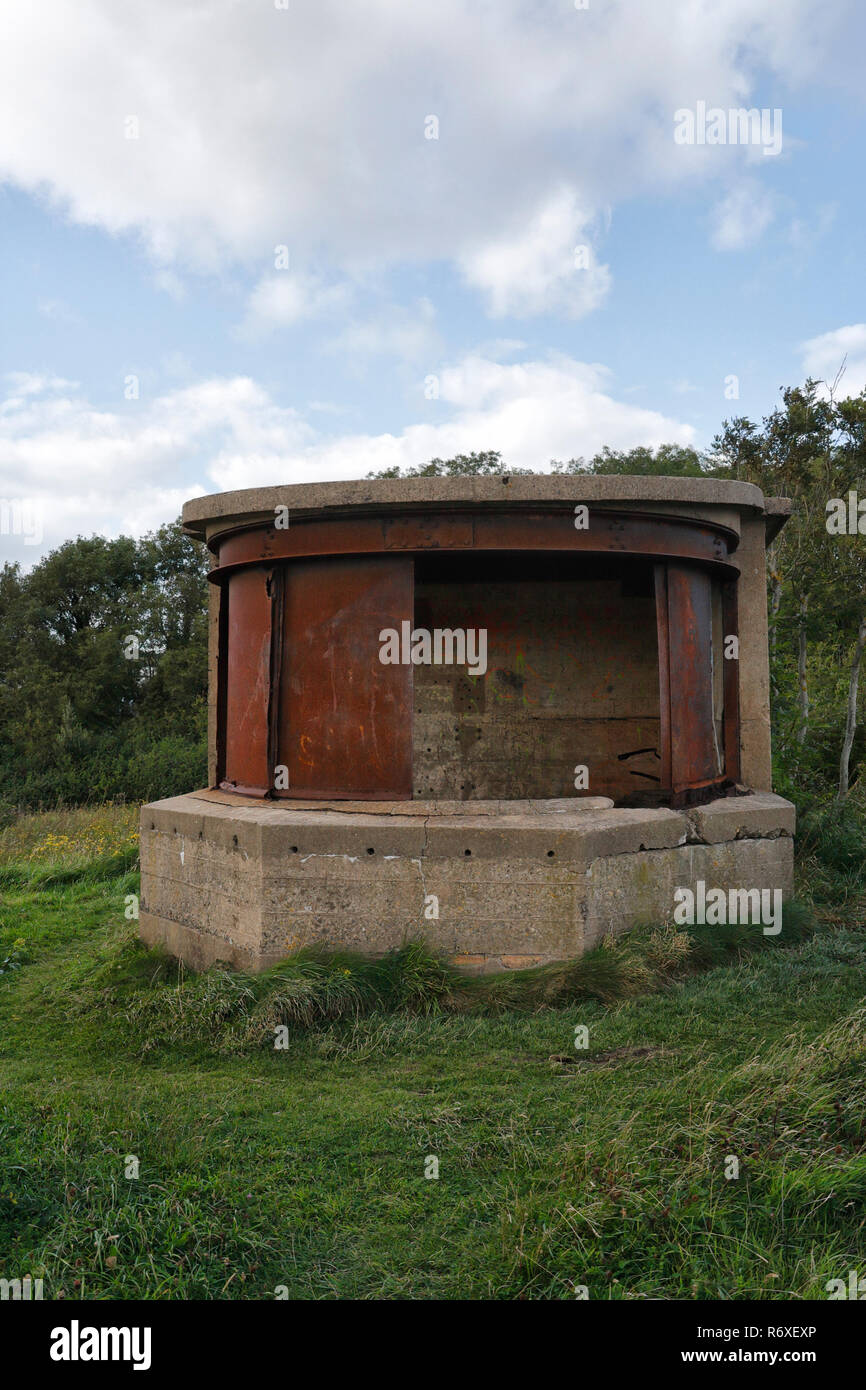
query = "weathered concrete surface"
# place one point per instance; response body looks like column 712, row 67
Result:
column 251, row 883
column 418, row 807
column 754, row 660
column 572, row 678
column 202, row 514
column 634, row 889
column 742, row 817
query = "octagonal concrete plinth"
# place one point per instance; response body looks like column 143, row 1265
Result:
column 493, row 885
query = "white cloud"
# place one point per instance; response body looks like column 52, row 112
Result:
column 531, row 411
column 109, row 471
column 128, row 470
column 547, row 267
column 742, row 217
column 285, row 298
column 258, row 126
column 823, row 356
column 408, row 334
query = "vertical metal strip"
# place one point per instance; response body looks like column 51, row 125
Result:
column 222, row 682
column 276, row 590
column 694, row 761
column 248, row 646
column 664, row 658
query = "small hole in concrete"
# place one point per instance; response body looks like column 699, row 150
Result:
column 371, row 851
column 467, row 851
column 153, row 825
column 201, row 834
column 234, row 840
column 551, row 853
column 294, row 849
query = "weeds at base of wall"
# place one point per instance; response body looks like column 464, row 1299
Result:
column 237, row 1012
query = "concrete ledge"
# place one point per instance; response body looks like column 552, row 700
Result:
column 741, row 817
column 417, row 807
column 533, row 489
column 529, row 884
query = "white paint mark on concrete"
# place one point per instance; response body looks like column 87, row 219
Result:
column 351, row 858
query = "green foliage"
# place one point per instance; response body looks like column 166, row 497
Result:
column 83, row 716
column 487, row 463
column 836, row 836
column 304, row 1167
column 668, row 460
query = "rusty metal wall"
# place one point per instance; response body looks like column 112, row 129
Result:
column 246, row 678
column 571, row 680
column 691, row 634
column 608, row 532
column 301, row 685
column 345, row 719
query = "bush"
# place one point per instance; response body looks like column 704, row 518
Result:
column 836, row 836
column 134, row 763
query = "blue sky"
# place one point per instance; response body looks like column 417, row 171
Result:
column 154, row 345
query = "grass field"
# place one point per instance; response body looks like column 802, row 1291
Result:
column 262, row 1172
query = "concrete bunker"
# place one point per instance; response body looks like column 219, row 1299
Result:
column 614, row 746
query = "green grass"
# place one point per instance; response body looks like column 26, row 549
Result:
column 304, row 1167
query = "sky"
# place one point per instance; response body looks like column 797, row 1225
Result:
column 276, row 241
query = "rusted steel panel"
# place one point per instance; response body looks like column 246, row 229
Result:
column 345, row 718
column 247, row 681
column 661, row 588
column 221, row 683
column 731, row 628
column 428, row 533
column 694, row 757
column 608, row 532
column 277, row 579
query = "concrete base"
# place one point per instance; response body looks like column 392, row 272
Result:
column 494, row 885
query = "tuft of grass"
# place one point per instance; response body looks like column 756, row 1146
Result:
column 56, row 873
column 235, row 1011
column 305, row 1167
column 831, row 859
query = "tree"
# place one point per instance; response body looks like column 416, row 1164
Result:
column 103, row 649
column 487, row 463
